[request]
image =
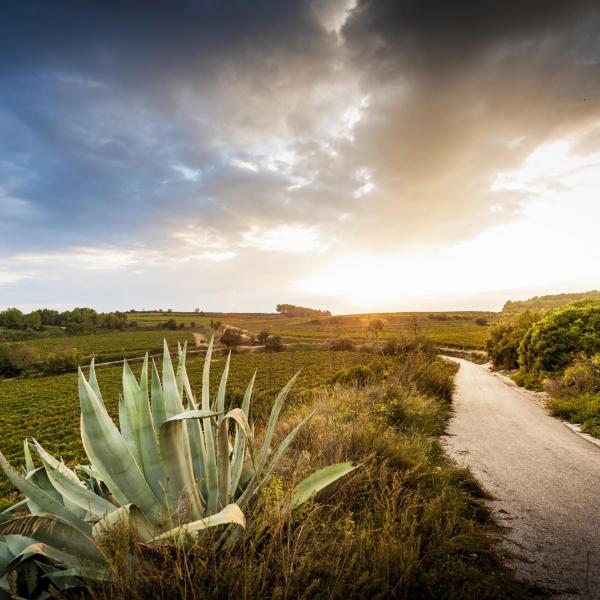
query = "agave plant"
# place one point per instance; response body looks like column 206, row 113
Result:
column 175, row 468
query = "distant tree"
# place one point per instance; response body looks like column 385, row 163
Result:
column 274, row 343
column 232, row 337
column 262, row 337
column 291, row 310
column 196, row 310
column 341, row 344
column 181, row 325
column 170, row 324
column 62, row 360
column 481, row 321
column 375, row 327
column 169, row 310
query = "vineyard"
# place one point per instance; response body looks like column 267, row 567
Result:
column 48, row 407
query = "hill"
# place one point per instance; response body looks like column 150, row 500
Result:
column 538, row 303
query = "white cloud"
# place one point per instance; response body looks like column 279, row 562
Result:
column 284, row 238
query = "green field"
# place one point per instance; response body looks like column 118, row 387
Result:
column 48, row 407
column 117, row 344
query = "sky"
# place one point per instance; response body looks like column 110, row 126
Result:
column 353, row 155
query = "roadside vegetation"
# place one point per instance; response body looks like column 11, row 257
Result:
column 406, row 523
column 558, row 351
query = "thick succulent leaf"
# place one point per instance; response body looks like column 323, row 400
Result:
column 93, row 381
column 32, row 548
column 88, row 572
column 39, row 477
column 41, row 499
column 264, row 450
column 206, row 376
column 73, row 490
column 13, row 507
column 177, row 459
column 283, row 446
column 319, row 480
column 210, row 466
column 55, row 532
column 230, row 514
column 129, row 517
column 146, row 441
column 220, row 402
column 182, row 373
column 240, row 441
column 110, row 456
column 172, row 399
column 29, row 466
column 159, row 413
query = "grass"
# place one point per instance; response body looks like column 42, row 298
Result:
column 583, row 409
column 407, row 524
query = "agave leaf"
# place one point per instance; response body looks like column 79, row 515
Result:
column 264, row 450
column 145, row 436
column 41, row 499
column 319, row 480
column 110, row 456
column 230, row 514
column 29, row 466
column 289, row 438
column 56, row 532
column 220, row 401
column 94, row 381
column 210, row 465
column 239, row 444
column 128, row 413
column 32, row 548
column 172, row 399
column 177, row 459
column 129, row 517
column 88, row 572
column 39, row 477
column 73, row 491
column 13, row 507
column 159, row 413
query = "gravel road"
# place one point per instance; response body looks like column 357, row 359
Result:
column 544, row 477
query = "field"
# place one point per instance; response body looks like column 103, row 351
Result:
column 112, row 345
column 48, row 407
column 452, row 328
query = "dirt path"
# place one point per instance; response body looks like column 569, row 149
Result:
column 544, row 477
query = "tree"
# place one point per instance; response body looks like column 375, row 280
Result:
column 481, row 321
column 170, row 324
column 274, row 343
column 375, row 327
column 291, row 310
column 262, row 337
column 232, row 337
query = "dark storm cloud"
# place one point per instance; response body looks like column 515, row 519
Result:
column 462, row 90
column 123, row 123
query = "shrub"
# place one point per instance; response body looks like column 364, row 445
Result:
column 61, row 360
column 170, row 324
column 561, row 336
column 274, row 343
column 358, row 375
column 232, row 337
column 504, row 341
column 341, row 344
column 17, row 359
column 481, row 321
column 262, row 337
column 582, row 376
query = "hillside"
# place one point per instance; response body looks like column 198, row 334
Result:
column 547, row 302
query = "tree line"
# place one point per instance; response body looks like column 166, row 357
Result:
column 291, row 310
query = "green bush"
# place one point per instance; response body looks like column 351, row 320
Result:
column 63, row 360
column 503, row 344
column 560, row 337
column 358, row 375
column 17, row 359
column 341, row 344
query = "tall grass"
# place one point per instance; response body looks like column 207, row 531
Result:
column 407, row 524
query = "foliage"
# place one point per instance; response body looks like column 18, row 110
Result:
column 358, row 375
column 375, row 327
column 503, row 344
column 170, row 324
column 341, row 344
column 232, row 337
column 291, row 310
column 580, row 408
column 62, row 360
column 17, row 359
column 263, row 336
column 274, row 343
column 172, row 471
column 481, row 321
column 543, row 303
column 561, row 336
